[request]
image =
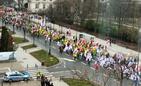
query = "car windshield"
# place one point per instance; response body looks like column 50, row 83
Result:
column 24, row 72
column 5, row 74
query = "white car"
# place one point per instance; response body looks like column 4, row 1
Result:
column 16, row 76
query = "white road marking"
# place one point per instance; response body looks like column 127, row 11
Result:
column 68, row 59
column 65, row 71
column 64, row 64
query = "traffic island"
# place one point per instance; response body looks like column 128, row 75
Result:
column 19, row 40
column 78, row 82
column 46, row 59
column 29, row 46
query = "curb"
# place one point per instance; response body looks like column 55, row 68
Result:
column 59, row 63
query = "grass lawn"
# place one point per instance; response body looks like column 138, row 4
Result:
column 43, row 56
column 77, row 82
column 18, row 40
column 29, row 46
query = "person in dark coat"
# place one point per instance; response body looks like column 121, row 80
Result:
column 42, row 80
column 51, row 84
column 47, row 83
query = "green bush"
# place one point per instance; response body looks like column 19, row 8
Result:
column 6, row 40
column 114, row 32
column 91, row 25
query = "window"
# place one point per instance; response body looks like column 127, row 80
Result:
column 37, row 5
column 44, row 6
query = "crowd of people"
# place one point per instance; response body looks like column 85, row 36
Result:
column 90, row 52
column 45, row 81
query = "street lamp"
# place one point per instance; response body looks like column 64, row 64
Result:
column 46, row 38
column 50, row 40
column 24, row 32
column 33, row 37
column 14, row 49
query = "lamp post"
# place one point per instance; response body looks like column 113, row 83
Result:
column 24, row 32
column 33, row 37
column 46, row 38
column 50, row 40
column 14, row 49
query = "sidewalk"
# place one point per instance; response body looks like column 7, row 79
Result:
column 112, row 49
column 26, row 59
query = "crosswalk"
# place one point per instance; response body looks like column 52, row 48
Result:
column 51, row 75
column 33, row 72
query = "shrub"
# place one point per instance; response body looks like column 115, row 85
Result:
column 90, row 25
column 6, row 40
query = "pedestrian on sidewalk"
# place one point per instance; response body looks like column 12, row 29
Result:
column 51, row 84
column 47, row 83
column 42, row 80
column 110, row 41
column 61, row 49
column 36, row 66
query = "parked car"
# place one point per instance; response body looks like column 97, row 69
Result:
column 16, row 76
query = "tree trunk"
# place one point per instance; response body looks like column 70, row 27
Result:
column 97, row 17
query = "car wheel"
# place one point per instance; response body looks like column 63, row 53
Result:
column 10, row 80
column 25, row 79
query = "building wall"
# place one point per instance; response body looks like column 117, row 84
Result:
column 42, row 4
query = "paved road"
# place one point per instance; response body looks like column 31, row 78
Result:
column 73, row 65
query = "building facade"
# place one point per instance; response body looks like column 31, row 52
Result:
column 36, row 5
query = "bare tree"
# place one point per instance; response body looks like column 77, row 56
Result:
column 6, row 2
column 73, row 10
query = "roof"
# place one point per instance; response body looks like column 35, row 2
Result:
column 12, row 72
